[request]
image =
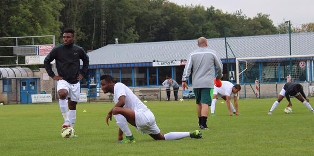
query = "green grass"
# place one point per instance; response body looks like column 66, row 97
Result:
column 35, row 130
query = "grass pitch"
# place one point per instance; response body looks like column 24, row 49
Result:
column 35, row 130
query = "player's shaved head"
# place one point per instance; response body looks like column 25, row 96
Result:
column 202, row 42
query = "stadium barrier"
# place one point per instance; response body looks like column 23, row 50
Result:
column 269, row 90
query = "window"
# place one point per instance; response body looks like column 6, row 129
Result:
column 164, row 72
column 126, row 76
column 116, row 74
column 7, row 85
column 140, row 76
column 152, row 76
column 105, row 72
column 179, row 71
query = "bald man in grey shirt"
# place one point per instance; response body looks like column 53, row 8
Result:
column 205, row 67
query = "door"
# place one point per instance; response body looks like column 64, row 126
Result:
column 28, row 87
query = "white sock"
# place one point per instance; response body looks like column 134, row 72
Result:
column 72, row 117
column 176, row 135
column 274, row 106
column 308, row 105
column 232, row 108
column 123, row 124
column 213, row 106
column 64, row 109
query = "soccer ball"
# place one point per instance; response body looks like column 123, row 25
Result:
column 67, row 132
column 181, row 100
column 288, row 110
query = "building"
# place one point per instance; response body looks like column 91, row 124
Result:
column 256, row 62
column 147, row 64
column 262, row 59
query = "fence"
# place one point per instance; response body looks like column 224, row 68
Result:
column 259, row 90
column 152, row 93
column 267, row 90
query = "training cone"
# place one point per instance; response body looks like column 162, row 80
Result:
column 218, row 83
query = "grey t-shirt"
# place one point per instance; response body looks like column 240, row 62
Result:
column 205, row 66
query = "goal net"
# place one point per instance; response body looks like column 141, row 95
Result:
column 265, row 76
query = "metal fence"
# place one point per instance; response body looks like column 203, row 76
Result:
column 145, row 94
column 269, row 90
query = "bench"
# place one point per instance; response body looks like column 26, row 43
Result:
column 149, row 93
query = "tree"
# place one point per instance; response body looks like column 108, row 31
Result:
column 25, row 18
column 309, row 27
column 283, row 28
column 266, row 25
column 121, row 20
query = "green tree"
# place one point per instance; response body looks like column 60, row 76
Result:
column 283, row 28
column 72, row 17
column 308, row 27
column 25, row 18
column 263, row 25
column 121, row 20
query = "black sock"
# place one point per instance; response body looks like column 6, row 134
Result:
column 204, row 121
column 199, row 121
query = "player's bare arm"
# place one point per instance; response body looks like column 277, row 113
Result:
column 80, row 77
column 184, row 85
column 236, row 104
column 289, row 101
column 57, row 78
column 109, row 117
column 289, row 104
column 228, row 105
column 121, row 101
column 288, row 98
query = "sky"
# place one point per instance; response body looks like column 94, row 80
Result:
column 297, row 11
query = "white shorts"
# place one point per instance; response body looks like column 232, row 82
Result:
column 145, row 122
column 73, row 89
column 221, row 92
column 282, row 92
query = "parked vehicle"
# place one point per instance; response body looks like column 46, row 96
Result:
column 188, row 94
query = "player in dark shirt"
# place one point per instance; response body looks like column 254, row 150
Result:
column 288, row 90
column 67, row 57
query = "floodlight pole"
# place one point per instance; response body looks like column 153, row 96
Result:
column 225, row 35
column 289, row 31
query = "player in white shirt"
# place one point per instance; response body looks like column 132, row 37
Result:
column 226, row 91
column 130, row 109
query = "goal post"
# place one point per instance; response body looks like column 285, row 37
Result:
column 266, row 72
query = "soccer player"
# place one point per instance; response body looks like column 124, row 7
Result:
column 67, row 57
column 130, row 109
column 205, row 67
column 288, row 90
column 226, row 90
